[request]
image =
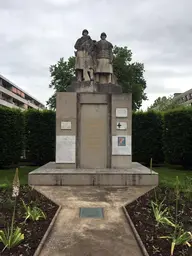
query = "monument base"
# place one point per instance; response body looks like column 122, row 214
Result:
column 90, row 86
column 50, row 175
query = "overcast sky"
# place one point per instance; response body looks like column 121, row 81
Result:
column 34, row 34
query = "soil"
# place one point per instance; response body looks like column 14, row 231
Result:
column 142, row 216
column 33, row 230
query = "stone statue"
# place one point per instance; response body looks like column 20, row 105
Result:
column 104, row 57
column 93, row 66
column 84, row 57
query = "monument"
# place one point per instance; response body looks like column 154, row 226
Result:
column 93, row 126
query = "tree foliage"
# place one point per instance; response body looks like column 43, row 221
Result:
column 62, row 74
column 164, row 104
column 130, row 75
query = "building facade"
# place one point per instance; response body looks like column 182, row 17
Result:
column 184, row 98
column 14, row 97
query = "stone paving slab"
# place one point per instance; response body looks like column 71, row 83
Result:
column 52, row 167
column 74, row 236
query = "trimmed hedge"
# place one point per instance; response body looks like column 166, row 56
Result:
column 155, row 135
column 40, row 136
column 147, row 137
column 177, row 137
column 11, row 136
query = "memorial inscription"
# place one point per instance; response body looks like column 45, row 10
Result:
column 121, row 145
column 66, row 149
column 121, row 125
column 65, row 125
column 121, row 112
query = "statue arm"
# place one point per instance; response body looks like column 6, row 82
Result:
column 76, row 46
column 111, row 52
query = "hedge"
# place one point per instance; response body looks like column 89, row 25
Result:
column 11, row 136
column 147, row 137
column 40, row 136
column 154, row 135
column 177, row 137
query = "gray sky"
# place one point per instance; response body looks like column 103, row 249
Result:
column 36, row 33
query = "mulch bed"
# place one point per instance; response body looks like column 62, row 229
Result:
column 142, row 216
column 33, row 230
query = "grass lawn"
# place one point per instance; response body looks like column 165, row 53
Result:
column 7, row 175
column 167, row 175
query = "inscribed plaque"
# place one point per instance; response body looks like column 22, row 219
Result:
column 121, row 112
column 65, row 149
column 121, row 145
column 121, row 125
column 65, row 125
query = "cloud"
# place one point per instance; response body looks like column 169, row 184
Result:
column 35, row 34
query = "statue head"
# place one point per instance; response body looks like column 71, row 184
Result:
column 103, row 36
column 85, row 32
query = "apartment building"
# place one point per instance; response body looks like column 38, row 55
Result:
column 14, row 97
column 184, row 98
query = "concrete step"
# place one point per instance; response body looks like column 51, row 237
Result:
column 50, row 174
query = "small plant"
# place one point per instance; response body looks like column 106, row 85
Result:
column 33, row 213
column 161, row 215
column 188, row 188
column 180, row 238
column 11, row 236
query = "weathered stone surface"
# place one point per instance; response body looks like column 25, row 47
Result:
column 90, row 86
column 74, row 236
column 50, row 174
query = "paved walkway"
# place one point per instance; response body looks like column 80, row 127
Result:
column 74, row 236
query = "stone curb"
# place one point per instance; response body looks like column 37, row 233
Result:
column 43, row 240
column 137, row 236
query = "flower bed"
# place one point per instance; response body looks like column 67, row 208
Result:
column 33, row 230
column 171, row 209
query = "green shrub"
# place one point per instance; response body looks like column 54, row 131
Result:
column 147, row 137
column 11, row 136
column 177, row 137
column 40, row 136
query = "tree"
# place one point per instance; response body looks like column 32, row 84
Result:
column 164, row 103
column 129, row 76
column 62, row 74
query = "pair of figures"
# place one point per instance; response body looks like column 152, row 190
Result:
column 93, row 59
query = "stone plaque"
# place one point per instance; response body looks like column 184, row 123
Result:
column 121, row 145
column 91, row 213
column 121, row 126
column 65, row 149
column 65, row 125
column 121, row 112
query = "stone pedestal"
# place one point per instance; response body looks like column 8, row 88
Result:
column 93, row 130
column 93, row 143
column 90, row 86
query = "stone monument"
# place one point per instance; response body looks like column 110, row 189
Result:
column 93, row 65
column 93, row 126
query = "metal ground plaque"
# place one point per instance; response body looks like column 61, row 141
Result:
column 96, row 213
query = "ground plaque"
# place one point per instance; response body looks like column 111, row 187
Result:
column 96, row 213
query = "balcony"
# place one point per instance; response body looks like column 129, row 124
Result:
column 20, row 99
column 9, row 104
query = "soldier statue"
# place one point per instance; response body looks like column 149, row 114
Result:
column 84, row 59
column 104, row 58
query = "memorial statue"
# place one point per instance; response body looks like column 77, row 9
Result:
column 93, row 66
column 84, row 57
column 104, row 57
